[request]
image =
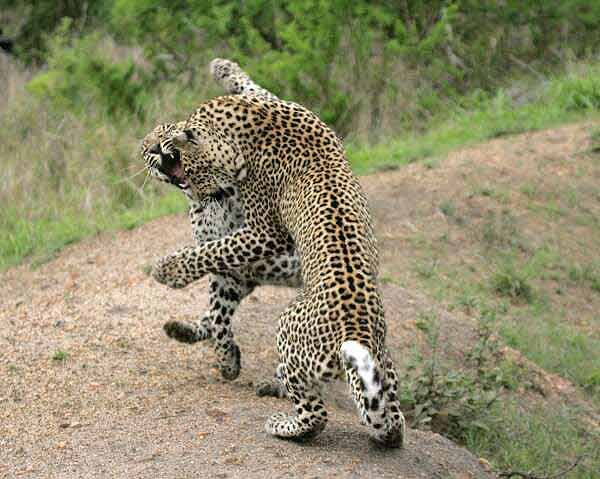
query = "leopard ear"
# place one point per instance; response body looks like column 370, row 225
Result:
column 185, row 139
column 241, row 172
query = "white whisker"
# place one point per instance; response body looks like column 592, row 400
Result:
column 145, row 179
column 132, row 176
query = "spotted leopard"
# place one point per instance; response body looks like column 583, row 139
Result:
column 214, row 217
column 298, row 191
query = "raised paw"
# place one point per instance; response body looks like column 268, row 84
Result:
column 182, row 332
column 171, row 270
column 189, row 333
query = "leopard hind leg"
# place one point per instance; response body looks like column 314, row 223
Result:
column 395, row 418
column 310, row 418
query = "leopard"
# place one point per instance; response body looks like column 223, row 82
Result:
column 298, row 192
column 211, row 218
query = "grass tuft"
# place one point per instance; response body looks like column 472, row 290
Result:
column 562, row 99
column 60, row 355
column 510, row 282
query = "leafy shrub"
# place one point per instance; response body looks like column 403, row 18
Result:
column 317, row 53
column 581, row 92
column 79, row 72
column 451, row 402
column 348, row 60
column 36, row 20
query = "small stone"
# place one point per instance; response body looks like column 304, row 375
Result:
column 485, row 463
column 61, row 445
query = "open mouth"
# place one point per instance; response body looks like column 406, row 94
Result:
column 170, row 165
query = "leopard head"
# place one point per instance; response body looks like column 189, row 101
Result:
column 209, row 157
column 168, row 164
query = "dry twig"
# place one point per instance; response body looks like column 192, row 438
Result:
column 529, row 475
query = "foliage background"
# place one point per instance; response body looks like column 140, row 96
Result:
column 399, row 80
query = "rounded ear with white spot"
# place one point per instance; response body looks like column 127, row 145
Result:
column 241, row 172
column 185, row 140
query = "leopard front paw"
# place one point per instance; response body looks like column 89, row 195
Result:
column 230, row 362
column 182, row 332
column 170, row 270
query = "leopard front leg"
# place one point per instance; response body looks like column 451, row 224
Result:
column 172, row 270
column 238, row 250
column 226, row 293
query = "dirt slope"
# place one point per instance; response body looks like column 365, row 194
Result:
column 126, row 401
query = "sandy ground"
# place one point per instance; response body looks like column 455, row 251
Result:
column 127, row 401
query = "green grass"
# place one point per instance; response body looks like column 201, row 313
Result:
column 60, row 355
column 564, row 99
column 538, row 439
column 529, row 323
column 481, row 394
column 512, row 283
column 550, row 342
column 41, row 238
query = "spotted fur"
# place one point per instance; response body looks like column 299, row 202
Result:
column 234, row 80
column 213, row 217
column 297, row 190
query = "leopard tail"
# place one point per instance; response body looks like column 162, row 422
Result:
column 366, row 380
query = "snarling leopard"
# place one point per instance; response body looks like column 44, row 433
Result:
column 213, row 217
column 297, row 191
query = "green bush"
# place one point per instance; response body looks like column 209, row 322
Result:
column 31, row 22
column 452, row 401
column 80, row 71
column 317, row 53
column 360, row 64
column 580, row 92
